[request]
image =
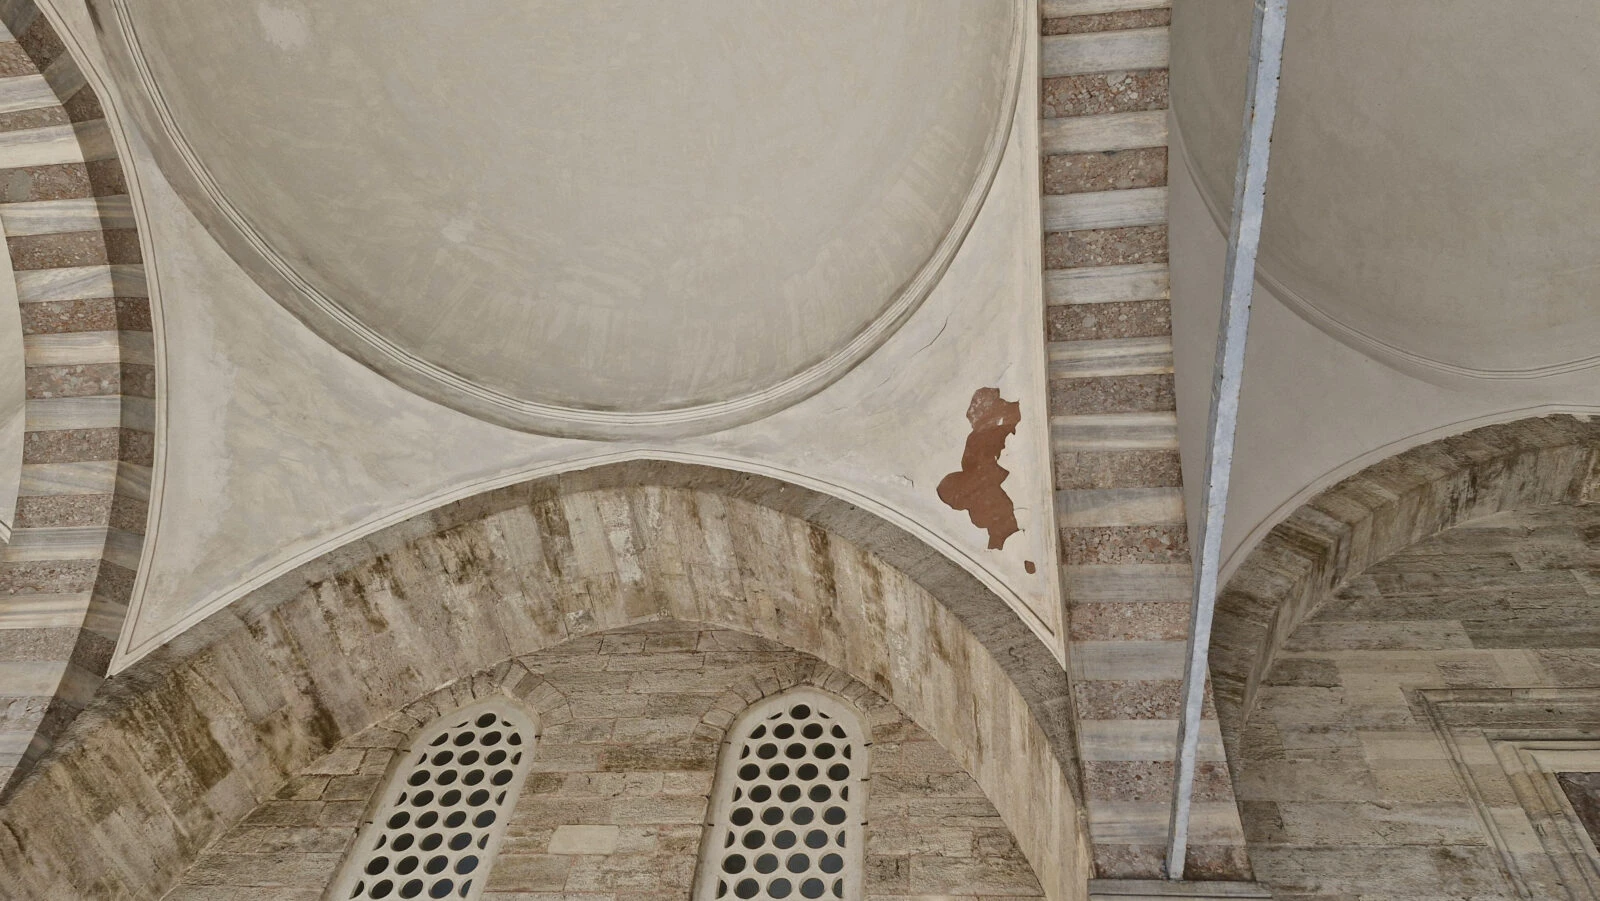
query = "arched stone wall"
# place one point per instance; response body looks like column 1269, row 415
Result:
column 1392, row 750
column 616, row 797
column 89, row 413
column 1412, row 496
column 188, row 741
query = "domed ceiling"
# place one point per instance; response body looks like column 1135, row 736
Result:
column 1432, row 197
column 594, row 218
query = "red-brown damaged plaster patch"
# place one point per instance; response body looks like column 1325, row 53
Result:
column 976, row 487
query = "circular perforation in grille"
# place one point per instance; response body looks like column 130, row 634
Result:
column 789, row 801
column 445, row 809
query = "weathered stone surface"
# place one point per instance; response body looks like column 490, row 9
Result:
column 1346, row 788
column 637, row 831
column 202, row 732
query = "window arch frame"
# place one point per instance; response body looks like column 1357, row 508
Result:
column 728, row 783
column 372, row 838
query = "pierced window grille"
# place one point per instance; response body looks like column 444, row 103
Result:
column 789, row 804
column 444, row 810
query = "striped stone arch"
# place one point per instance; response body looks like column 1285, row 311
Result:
column 89, row 439
column 1339, row 534
column 190, row 739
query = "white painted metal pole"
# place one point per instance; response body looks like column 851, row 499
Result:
column 1244, row 237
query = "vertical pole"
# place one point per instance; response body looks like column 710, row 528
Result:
column 1244, row 237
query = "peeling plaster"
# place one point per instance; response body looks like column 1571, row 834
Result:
column 975, row 488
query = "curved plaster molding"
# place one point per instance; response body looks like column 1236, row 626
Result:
column 1339, row 473
column 1390, row 505
column 326, row 317
column 1419, row 365
column 329, row 650
column 131, row 648
column 90, row 410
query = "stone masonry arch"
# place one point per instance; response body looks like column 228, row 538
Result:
column 89, row 412
column 1412, row 496
column 204, row 729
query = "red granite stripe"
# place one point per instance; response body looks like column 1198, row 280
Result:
column 1124, row 544
column 1104, row 92
column 1119, row 21
column 1105, row 247
column 61, row 181
column 71, row 445
column 1151, row 393
column 1118, row 469
column 1100, row 321
column 64, row 510
column 1114, row 170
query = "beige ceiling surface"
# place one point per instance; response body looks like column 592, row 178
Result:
column 604, row 209
column 1432, row 197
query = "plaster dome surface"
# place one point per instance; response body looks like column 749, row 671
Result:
column 1432, row 194
column 621, row 207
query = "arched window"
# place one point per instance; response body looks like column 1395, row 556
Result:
column 444, row 811
column 789, row 803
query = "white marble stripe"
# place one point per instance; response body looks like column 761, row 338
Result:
column 79, row 214
column 138, row 413
column 1146, row 823
column 45, row 146
column 42, row 611
column 1103, row 51
column 49, row 414
column 1110, row 357
column 106, row 620
column 53, row 479
column 12, row 744
column 1120, row 583
column 55, row 543
column 1114, row 431
column 124, row 548
column 25, row 92
column 100, row 411
column 133, row 482
column 78, row 685
column 30, row 678
column 94, row 140
column 64, row 77
column 83, row 348
column 1107, row 284
column 1106, row 507
column 1107, row 131
column 1057, row 9
column 1142, row 739
column 1105, row 209
column 1126, row 661
column 80, row 283
column 17, row 15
